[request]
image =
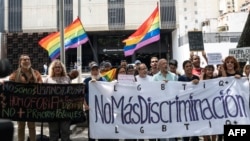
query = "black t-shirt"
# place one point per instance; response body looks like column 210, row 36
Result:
column 228, row 74
column 187, row 79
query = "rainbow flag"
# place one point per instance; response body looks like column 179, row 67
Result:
column 109, row 75
column 147, row 33
column 74, row 36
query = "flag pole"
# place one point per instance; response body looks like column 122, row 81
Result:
column 61, row 19
column 79, row 50
column 159, row 42
column 159, row 45
column 94, row 52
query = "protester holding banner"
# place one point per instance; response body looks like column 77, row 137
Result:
column 230, row 67
column 208, row 73
column 143, row 77
column 95, row 76
column 26, row 74
column 189, row 77
column 143, row 73
column 246, row 70
column 164, row 75
column 57, row 75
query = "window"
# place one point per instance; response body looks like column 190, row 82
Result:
column 2, row 15
column 168, row 14
column 115, row 1
column 15, row 16
column 116, row 14
column 68, row 12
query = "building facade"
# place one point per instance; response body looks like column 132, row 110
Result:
column 107, row 23
column 217, row 21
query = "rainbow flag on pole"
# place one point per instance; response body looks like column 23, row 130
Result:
column 147, row 33
column 74, row 36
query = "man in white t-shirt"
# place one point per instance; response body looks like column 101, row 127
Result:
column 143, row 73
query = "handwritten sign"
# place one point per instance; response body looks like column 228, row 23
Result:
column 214, row 58
column 241, row 54
column 159, row 109
column 195, row 39
column 42, row 102
column 126, row 78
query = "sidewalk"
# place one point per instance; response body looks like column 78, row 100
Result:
column 79, row 133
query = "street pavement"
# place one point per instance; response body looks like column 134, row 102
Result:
column 78, row 132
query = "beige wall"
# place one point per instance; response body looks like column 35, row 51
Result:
column 40, row 15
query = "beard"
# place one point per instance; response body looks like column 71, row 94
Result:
column 26, row 66
column 96, row 77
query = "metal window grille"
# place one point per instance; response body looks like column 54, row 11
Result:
column 116, row 14
column 15, row 15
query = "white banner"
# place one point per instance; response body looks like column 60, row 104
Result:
column 164, row 110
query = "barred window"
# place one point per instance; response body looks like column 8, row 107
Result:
column 15, row 16
column 116, row 14
column 68, row 12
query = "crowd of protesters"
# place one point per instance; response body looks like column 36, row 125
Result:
column 160, row 69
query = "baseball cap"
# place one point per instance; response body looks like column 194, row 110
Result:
column 137, row 62
column 107, row 64
column 93, row 65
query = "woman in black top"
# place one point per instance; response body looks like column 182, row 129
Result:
column 230, row 67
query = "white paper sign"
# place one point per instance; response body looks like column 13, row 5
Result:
column 214, row 58
column 166, row 110
column 241, row 54
column 126, row 78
